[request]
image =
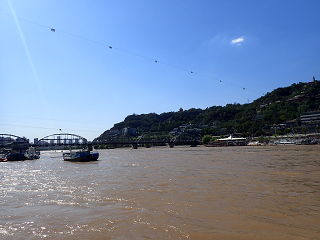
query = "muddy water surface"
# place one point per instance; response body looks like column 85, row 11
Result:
column 267, row 192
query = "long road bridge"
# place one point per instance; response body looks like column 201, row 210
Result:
column 9, row 141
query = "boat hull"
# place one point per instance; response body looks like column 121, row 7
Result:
column 83, row 156
column 16, row 157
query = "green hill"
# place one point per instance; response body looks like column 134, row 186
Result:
column 279, row 109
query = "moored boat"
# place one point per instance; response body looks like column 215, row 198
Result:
column 285, row 142
column 31, row 153
column 16, row 156
column 229, row 141
column 256, row 143
column 80, row 156
column 3, row 158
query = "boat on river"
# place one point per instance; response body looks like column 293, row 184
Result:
column 32, row 153
column 80, row 156
column 19, row 154
column 229, row 141
column 16, row 156
column 285, row 142
column 3, row 158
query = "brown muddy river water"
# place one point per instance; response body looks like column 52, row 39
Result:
column 266, row 192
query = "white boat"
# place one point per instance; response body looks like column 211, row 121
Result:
column 31, row 153
column 285, row 142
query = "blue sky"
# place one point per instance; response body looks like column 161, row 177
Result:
column 71, row 80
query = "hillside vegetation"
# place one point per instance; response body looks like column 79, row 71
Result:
column 256, row 118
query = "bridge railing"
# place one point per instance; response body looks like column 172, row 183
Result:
column 61, row 139
column 12, row 142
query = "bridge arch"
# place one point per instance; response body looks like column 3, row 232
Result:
column 6, row 139
column 62, row 139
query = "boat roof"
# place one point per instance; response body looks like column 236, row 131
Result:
column 230, row 138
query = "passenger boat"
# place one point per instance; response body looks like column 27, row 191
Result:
column 16, row 156
column 31, row 153
column 285, row 142
column 81, row 156
column 19, row 154
column 229, row 141
column 256, row 143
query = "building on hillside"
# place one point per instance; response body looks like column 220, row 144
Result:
column 175, row 131
column 293, row 125
column 264, row 106
column 114, row 133
column 129, row 131
column 258, row 118
column 313, row 80
column 310, row 120
column 267, row 130
column 311, row 117
column 223, row 131
column 298, row 98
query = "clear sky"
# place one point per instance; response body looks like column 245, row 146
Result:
column 70, row 79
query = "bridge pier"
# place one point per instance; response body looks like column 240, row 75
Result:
column 134, row 145
column 171, row 144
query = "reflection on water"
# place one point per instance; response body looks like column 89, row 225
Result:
column 269, row 192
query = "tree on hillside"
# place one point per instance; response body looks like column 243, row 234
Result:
column 206, row 139
column 276, row 107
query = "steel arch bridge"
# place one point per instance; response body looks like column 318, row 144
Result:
column 62, row 139
column 9, row 141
